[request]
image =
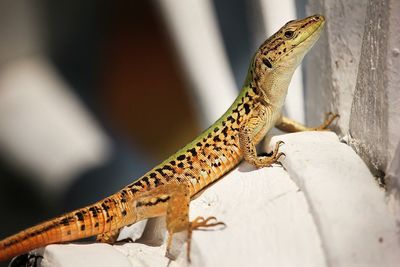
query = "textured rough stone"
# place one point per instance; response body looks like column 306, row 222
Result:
column 355, row 71
column 331, row 67
column 344, row 199
column 369, row 113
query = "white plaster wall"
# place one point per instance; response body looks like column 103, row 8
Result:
column 331, row 67
column 369, row 113
column 393, row 82
column 355, row 71
column 375, row 117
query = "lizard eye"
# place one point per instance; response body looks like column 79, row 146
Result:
column 289, row 34
column 267, row 63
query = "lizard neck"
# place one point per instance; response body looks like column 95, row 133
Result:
column 277, row 58
column 274, row 86
column 270, row 87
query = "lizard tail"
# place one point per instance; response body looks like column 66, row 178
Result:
column 101, row 217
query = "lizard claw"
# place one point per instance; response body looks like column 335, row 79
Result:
column 279, row 143
column 329, row 118
column 280, row 155
column 200, row 223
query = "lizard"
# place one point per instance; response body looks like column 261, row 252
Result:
column 167, row 189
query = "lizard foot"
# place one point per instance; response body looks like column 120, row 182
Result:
column 271, row 158
column 330, row 117
column 202, row 224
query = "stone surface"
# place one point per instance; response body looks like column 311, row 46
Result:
column 333, row 214
column 347, row 205
column 83, row 255
column 369, row 113
column 355, row 71
column 393, row 177
column 332, row 65
column 375, row 117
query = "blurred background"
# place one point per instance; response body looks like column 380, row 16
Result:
column 94, row 93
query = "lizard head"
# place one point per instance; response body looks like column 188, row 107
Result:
column 289, row 45
column 277, row 58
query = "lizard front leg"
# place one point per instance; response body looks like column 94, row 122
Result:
column 249, row 135
column 288, row 125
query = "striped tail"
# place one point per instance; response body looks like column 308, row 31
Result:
column 102, row 217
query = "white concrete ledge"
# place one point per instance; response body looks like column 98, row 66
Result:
column 336, row 216
column 349, row 209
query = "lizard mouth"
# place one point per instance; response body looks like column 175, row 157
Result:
column 311, row 26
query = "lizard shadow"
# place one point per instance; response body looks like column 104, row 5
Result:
column 246, row 167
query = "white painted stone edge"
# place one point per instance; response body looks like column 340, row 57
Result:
column 337, row 216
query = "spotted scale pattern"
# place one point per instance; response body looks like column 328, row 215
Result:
column 206, row 159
